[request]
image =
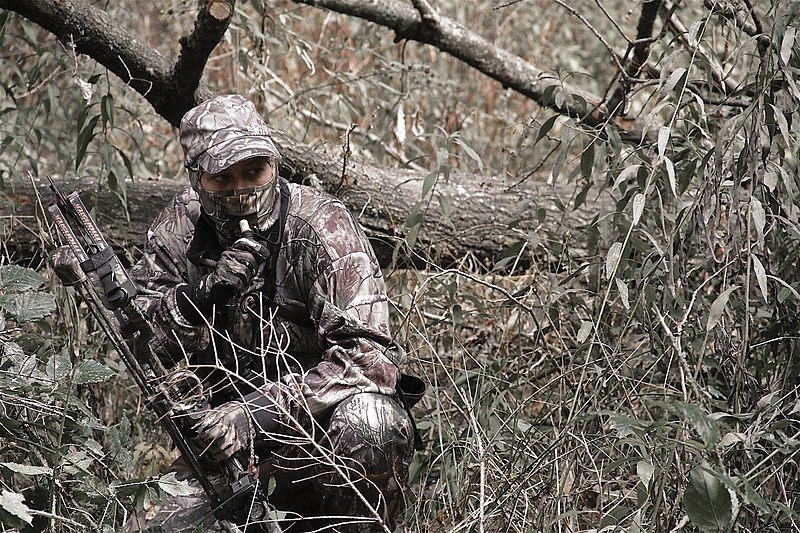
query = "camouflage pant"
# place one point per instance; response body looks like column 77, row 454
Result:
column 352, row 478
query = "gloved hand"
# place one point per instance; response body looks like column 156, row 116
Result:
column 66, row 266
column 235, row 269
column 223, row 431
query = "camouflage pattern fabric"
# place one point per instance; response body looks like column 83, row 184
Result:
column 326, row 344
column 223, row 131
column 350, row 479
column 217, row 134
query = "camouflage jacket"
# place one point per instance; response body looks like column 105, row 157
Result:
column 330, row 337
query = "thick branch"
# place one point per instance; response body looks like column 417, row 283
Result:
column 483, row 221
column 449, row 36
column 641, row 49
column 92, row 32
column 209, row 28
column 644, row 32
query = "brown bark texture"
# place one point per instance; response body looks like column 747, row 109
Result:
column 480, row 224
column 466, row 217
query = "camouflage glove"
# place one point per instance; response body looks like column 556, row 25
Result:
column 235, row 269
column 66, row 266
column 223, row 431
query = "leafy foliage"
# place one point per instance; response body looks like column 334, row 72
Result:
column 61, row 460
column 641, row 376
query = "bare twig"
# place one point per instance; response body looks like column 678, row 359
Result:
column 641, row 49
column 739, row 17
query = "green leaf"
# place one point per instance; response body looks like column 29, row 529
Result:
column 715, row 313
column 84, row 138
column 626, row 426
column 126, row 161
column 761, row 277
column 787, row 44
column 786, row 291
column 584, row 331
column 428, row 183
column 28, row 305
column 546, row 127
column 444, row 204
column 638, row 207
column 580, row 198
column 626, row 174
column 560, row 158
column 28, row 470
column 703, row 424
column 663, row 138
column 707, row 502
column 759, row 217
column 90, row 371
column 622, row 288
column 676, row 75
column 107, row 109
column 645, row 470
column 120, row 443
column 15, row 278
column 58, row 367
column 12, row 502
column 587, row 161
column 76, row 462
column 612, row 259
column 174, row 487
column 471, row 153
column 670, row 168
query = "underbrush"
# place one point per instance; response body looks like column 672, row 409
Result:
column 533, row 420
column 529, row 429
column 641, row 375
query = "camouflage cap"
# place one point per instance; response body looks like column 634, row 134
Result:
column 223, row 131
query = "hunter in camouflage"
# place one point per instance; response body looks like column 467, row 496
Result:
column 287, row 329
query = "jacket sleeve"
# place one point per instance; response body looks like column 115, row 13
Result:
column 161, row 270
column 347, row 303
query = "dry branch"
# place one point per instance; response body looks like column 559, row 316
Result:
column 484, row 216
column 421, row 23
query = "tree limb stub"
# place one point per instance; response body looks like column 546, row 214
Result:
column 212, row 22
column 221, row 10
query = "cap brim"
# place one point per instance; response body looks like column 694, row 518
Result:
column 231, row 151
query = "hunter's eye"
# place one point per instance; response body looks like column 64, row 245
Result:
column 254, row 172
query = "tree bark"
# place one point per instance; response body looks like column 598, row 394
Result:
column 484, row 217
column 483, row 222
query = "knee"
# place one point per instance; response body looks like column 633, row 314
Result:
column 373, row 429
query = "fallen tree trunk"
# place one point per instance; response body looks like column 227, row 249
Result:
column 471, row 218
column 477, row 219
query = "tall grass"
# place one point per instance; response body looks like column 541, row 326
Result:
column 642, row 375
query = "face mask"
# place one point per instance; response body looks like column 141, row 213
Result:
column 256, row 205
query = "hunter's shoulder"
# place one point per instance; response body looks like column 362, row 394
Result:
column 180, row 215
column 318, row 210
column 319, row 219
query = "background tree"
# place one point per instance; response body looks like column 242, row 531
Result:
column 603, row 198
